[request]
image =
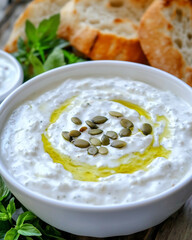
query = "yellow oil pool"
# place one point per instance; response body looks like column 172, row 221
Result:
column 128, row 163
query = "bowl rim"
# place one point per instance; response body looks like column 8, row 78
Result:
column 82, row 206
column 18, row 79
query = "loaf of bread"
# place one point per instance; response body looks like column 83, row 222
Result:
column 165, row 34
column 36, row 11
column 104, row 29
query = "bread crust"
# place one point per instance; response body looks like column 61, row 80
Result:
column 157, row 36
column 96, row 43
column 36, row 11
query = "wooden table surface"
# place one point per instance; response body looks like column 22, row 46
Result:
column 176, row 227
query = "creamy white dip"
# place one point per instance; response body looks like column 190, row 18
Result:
column 7, row 75
column 32, row 143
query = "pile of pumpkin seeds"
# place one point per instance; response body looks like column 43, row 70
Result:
column 96, row 145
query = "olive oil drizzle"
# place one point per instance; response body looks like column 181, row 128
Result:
column 129, row 163
column 133, row 106
column 57, row 112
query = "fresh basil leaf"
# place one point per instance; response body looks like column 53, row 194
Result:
column 37, row 54
column 41, row 53
column 3, row 190
column 22, row 53
column 21, row 44
column 59, row 43
column 21, row 56
column 29, row 230
column 48, row 232
column 62, row 43
column 4, row 216
column 72, row 58
column 43, row 29
column 47, row 28
column 37, row 65
column 31, row 32
column 4, row 227
column 54, row 60
column 12, row 234
column 2, row 208
column 52, row 232
column 11, row 207
column 26, row 216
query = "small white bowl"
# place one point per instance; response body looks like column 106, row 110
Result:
column 99, row 221
column 13, row 66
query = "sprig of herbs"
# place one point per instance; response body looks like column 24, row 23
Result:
column 18, row 223
column 42, row 50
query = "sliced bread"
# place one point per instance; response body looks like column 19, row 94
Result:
column 104, row 29
column 36, row 11
column 165, row 34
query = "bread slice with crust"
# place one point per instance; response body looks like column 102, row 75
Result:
column 36, row 11
column 165, row 34
column 104, row 29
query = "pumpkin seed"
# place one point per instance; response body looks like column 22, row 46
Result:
column 83, row 129
column 76, row 120
column 103, row 150
column 81, row 143
column 126, row 123
column 115, row 114
column 111, row 134
column 66, row 136
column 146, row 129
column 91, row 124
column 95, row 131
column 125, row 132
column 118, row 144
column 105, row 140
column 99, row 119
column 92, row 150
column 95, row 141
column 74, row 133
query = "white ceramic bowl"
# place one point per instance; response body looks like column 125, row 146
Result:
column 17, row 75
column 99, row 221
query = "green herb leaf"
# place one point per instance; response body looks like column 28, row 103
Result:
column 38, row 53
column 11, row 207
column 47, row 28
column 12, row 234
column 59, row 43
column 72, row 58
column 54, row 60
column 3, row 190
column 52, row 232
column 4, row 216
column 26, row 216
column 62, row 43
column 2, row 208
column 37, row 65
column 29, row 230
column 21, row 44
column 31, row 32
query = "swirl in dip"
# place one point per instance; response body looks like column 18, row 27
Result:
column 39, row 157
